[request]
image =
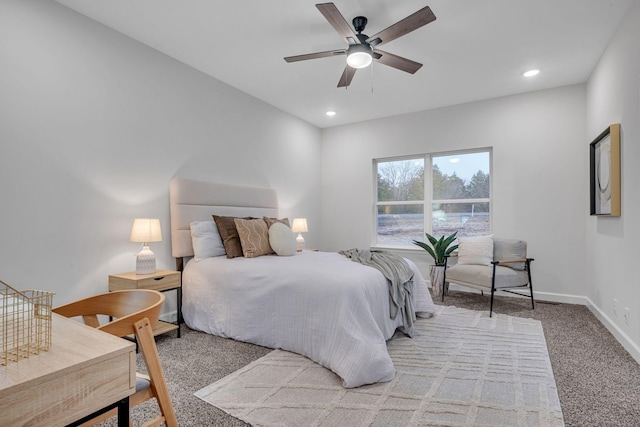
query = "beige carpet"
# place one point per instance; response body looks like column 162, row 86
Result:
column 460, row 369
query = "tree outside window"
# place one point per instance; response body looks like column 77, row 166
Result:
column 400, row 207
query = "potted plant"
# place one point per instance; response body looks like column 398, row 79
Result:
column 438, row 249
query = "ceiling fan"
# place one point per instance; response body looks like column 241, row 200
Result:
column 364, row 49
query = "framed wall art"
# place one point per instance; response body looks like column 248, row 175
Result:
column 605, row 172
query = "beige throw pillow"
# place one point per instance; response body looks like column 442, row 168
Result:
column 254, row 237
column 475, row 250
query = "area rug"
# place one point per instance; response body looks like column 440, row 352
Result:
column 461, row 368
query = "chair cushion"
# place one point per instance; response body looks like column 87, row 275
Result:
column 480, row 276
column 475, row 250
column 142, row 383
column 504, row 249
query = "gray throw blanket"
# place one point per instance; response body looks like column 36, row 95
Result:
column 399, row 276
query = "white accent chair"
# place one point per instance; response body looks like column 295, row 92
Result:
column 509, row 269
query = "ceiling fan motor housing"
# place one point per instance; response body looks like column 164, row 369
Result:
column 359, row 23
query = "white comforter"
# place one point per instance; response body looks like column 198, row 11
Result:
column 317, row 304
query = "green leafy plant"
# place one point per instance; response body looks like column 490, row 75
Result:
column 439, row 248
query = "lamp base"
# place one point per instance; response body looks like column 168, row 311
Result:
column 299, row 243
column 145, row 261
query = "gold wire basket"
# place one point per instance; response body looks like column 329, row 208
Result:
column 25, row 323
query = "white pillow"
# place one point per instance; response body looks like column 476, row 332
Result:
column 282, row 239
column 475, row 250
column 206, row 240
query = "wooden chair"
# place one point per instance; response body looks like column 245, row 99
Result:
column 134, row 312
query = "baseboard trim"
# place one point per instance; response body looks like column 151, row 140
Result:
column 563, row 298
column 632, row 348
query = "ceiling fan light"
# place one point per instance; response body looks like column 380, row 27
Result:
column 359, row 56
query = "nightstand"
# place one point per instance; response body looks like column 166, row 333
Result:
column 161, row 280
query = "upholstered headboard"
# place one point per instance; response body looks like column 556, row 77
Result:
column 192, row 200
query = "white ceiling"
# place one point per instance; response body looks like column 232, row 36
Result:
column 476, row 49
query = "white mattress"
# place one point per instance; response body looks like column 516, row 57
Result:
column 317, row 304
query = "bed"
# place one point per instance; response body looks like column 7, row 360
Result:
column 318, row 304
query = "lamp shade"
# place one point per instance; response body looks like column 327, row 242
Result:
column 299, row 225
column 146, row 230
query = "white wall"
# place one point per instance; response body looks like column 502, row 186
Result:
column 613, row 96
column 540, row 172
column 93, row 125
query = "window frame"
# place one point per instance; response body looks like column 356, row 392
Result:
column 427, row 200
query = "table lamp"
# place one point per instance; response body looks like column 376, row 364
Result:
column 144, row 231
column 299, row 226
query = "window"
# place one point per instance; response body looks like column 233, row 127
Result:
column 400, row 207
column 454, row 195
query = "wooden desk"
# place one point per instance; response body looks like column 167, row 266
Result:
column 84, row 371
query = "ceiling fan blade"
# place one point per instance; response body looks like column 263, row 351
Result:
column 347, row 76
column 315, row 55
column 335, row 18
column 404, row 26
column 396, row 61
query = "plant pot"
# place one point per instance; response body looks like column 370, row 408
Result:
column 436, row 274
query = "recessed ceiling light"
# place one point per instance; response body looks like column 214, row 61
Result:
column 330, row 113
column 531, row 73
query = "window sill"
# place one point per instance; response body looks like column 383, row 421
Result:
column 406, row 249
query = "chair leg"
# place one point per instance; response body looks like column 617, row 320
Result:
column 444, row 280
column 147, row 344
column 493, row 289
column 491, row 306
column 533, row 307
